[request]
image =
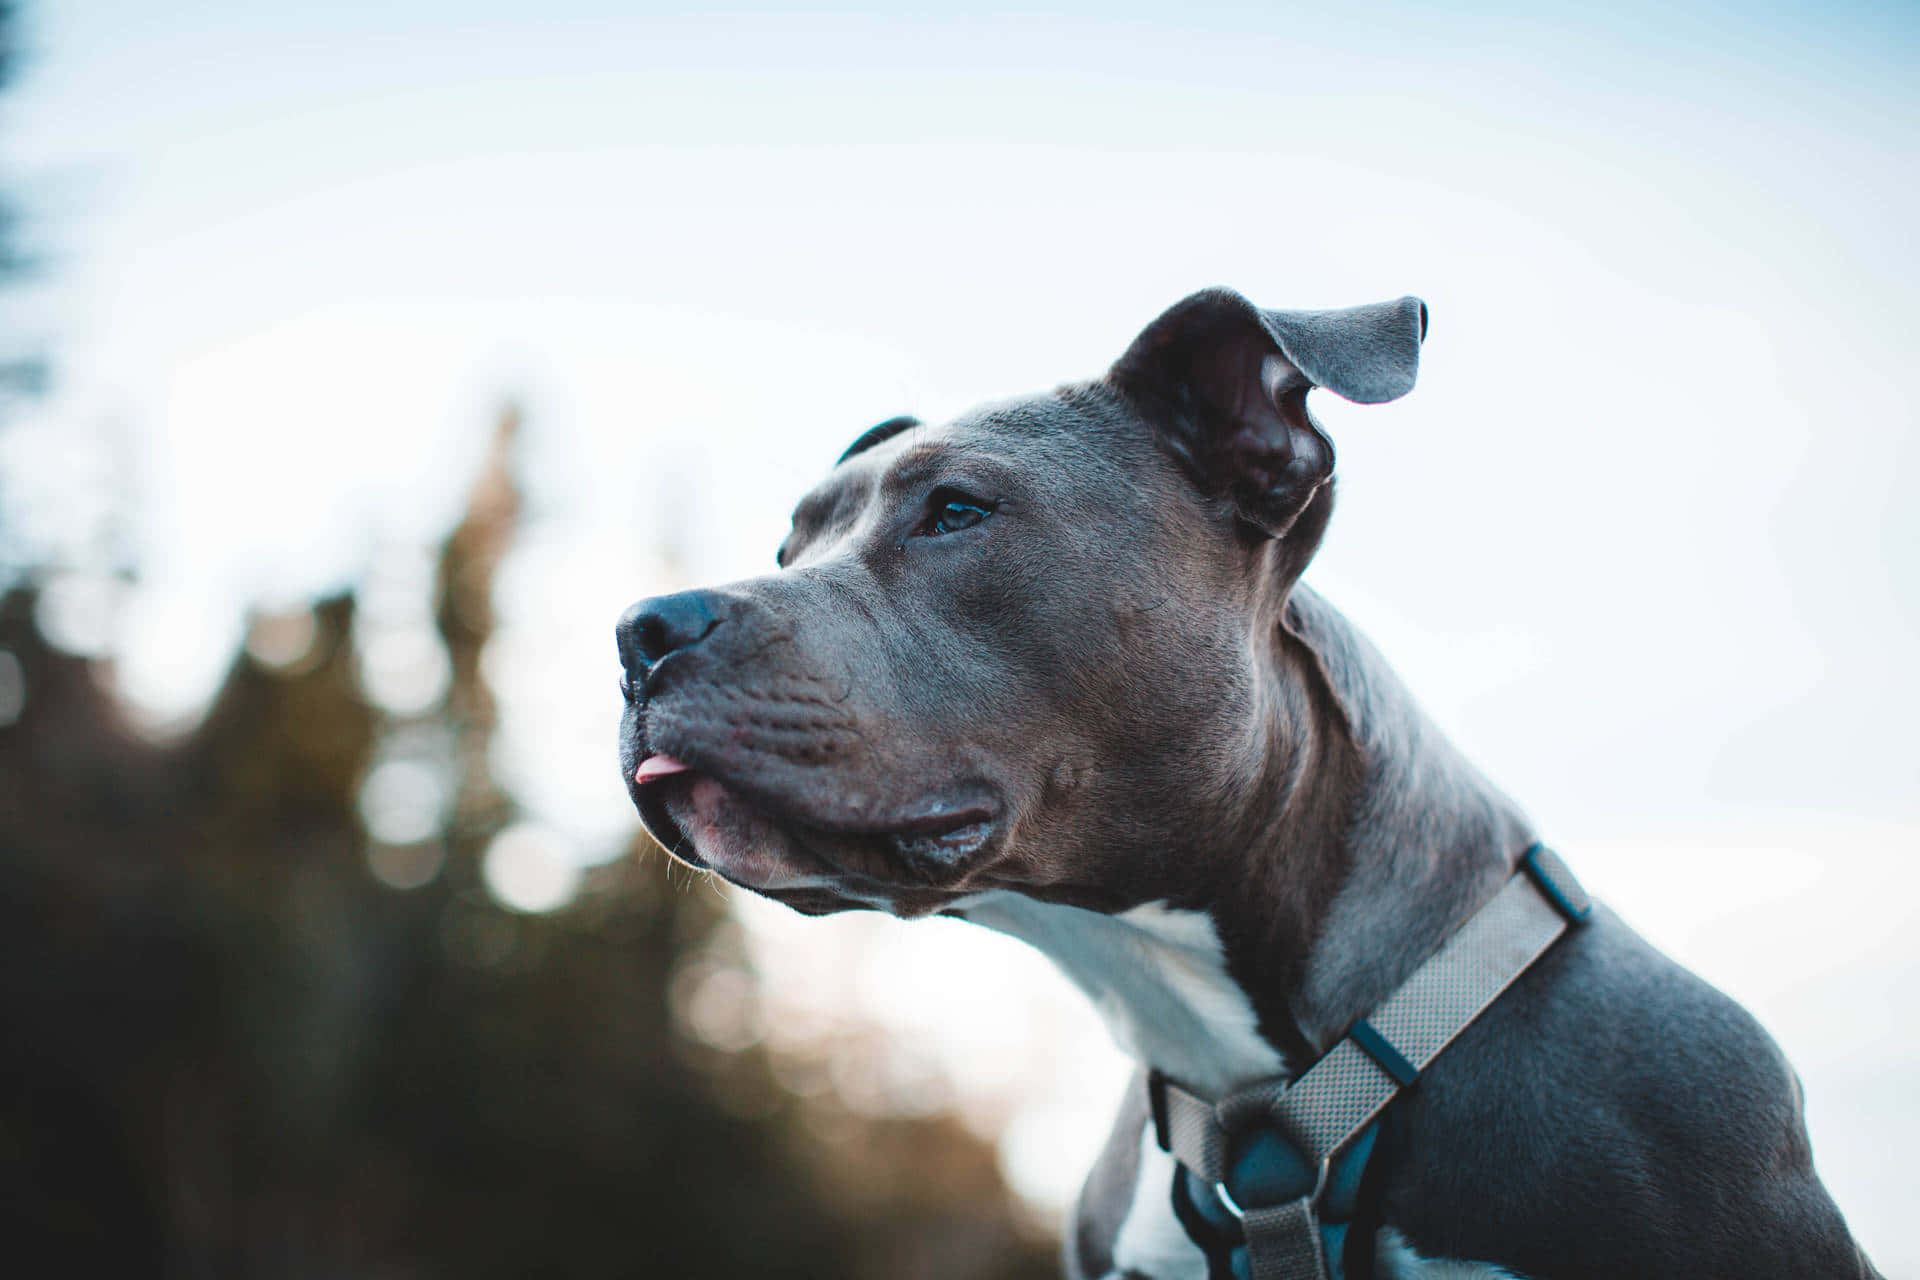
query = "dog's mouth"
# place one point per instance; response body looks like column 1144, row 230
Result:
column 788, row 850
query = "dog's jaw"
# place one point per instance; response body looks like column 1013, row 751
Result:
column 910, row 866
column 738, row 841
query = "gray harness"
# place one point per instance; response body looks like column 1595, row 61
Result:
column 1279, row 1163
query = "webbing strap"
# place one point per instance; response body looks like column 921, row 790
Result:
column 1283, row 1242
column 1335, row 1100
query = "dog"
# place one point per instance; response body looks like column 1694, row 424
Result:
column 1050, row 667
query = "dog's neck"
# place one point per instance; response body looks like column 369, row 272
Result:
column 1425, row 840
column 1157, row 975
column 1370, row 840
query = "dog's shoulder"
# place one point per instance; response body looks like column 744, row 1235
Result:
column 1609, row 1104
column 1560, row 1136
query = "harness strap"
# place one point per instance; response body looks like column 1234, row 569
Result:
column 1283, row 1242
column 1334, row 1102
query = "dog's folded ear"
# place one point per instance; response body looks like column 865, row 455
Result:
column 1225, row 383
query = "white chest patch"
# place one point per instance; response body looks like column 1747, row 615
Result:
column 1151, row 1241
column 1159, row 979
column 1394, row 1259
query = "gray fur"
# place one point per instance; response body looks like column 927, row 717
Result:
column 1110, row 691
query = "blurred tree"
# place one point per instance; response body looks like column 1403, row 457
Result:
column 244, row 1036
column 231, row 1050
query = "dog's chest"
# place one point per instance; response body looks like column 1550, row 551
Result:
column 1158, row 977
column 1151, row 1242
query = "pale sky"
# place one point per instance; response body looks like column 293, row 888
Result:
column 1645, row 538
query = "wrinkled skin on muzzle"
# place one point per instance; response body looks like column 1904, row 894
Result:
column 1018, row 650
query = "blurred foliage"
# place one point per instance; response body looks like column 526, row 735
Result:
column 231, row 1050
column 233, row 1047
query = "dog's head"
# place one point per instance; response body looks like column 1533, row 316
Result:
column 1030, row 648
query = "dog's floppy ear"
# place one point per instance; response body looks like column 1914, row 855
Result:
column 1226, row 384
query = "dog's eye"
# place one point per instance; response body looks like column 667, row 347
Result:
column 949, row 511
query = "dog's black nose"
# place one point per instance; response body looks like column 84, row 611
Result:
column 652, row 629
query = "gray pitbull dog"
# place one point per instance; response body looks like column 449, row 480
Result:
column 1049, row 667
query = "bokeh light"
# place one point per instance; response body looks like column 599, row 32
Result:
column 406, row 866
column 13, row 688
column 530, row 867
column 404, row 801
column 282, row 640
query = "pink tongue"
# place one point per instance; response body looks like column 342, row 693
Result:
column 658, row 767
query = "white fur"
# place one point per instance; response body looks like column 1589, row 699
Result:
column 1151, row 1241
column 1394, row 1259
column 1159, row 979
